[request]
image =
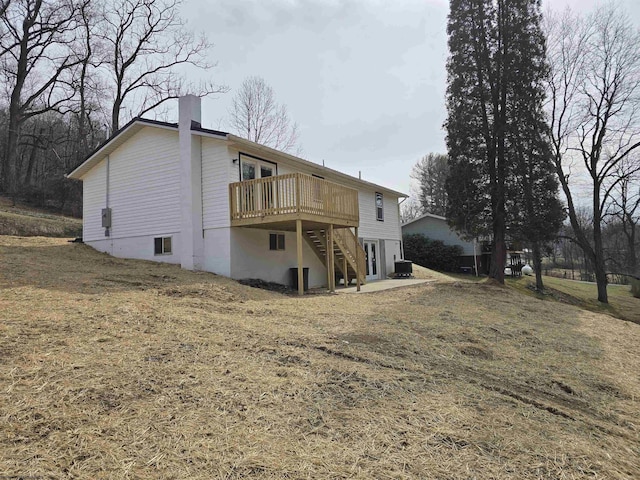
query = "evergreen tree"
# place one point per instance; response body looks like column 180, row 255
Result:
column 495, row 65
column 532, row 192
column 535, row 192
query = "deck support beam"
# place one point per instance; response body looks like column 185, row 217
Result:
column 357, row 261
column 345, row 270
column 331, row 262
column 300, row 262
column 327, row 256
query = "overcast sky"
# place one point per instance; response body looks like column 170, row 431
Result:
column 364, row 79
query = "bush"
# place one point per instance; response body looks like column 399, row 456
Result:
column 433, row 254
column 635, row 287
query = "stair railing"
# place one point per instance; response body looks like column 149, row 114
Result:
column 348, row 243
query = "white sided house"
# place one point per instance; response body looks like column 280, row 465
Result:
column 212, row 201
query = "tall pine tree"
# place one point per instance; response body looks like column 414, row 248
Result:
column 536, row 211
column 494, row 69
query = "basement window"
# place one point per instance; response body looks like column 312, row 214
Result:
column 276, row 241
column 162, row 245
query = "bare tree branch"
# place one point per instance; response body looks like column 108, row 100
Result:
column 256, row 115
column 146, row 40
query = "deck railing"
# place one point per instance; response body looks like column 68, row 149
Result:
column 293, row 193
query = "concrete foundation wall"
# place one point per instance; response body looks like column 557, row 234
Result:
column 251, row 257
column 140, row 247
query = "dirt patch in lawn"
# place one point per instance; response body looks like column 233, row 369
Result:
column 126, row 369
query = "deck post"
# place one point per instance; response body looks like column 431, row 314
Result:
column 357, row 261
column 327, row 243
column 332, row 278
column 345, row 270
column 300, row 263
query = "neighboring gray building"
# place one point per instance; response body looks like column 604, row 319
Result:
column 435, row 227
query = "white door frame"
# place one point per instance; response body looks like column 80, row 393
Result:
column 372, row 257
column 258, row 199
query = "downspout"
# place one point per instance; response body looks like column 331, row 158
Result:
column 107, row 231
column 201, row 190
column 399, row 218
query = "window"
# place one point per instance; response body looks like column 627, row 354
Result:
column 379, row 208
column 254, row 167
column 276, row 241
column 162, row 245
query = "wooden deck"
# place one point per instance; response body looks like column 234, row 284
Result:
column 322, row 212
column 283, row 199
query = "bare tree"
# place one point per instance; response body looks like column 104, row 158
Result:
column 594, row 93
column 410, row 210
column 431, row 173
column 4, row 4
column 145, row 40
column 84, row 81
column 36, row 57
column 625, row 212
column 256, row 115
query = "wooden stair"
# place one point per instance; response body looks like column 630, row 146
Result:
column 345, row 246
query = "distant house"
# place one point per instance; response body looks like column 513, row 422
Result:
column 209, row 200
column 435, row 227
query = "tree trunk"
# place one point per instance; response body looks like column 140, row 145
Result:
column 598, row 250
column 601, row 275
column 632, row 258
column 115, row 115
column 498, row 251
column 11, row 157
column 15, row 106
column 537, row 266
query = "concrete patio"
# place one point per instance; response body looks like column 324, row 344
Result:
column 380, row 285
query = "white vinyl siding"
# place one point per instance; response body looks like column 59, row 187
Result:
column 144, row 184
column 94, row 192
column 234, row 175
column 370, row 227
column 217, row 173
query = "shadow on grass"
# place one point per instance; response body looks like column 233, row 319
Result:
column 621, row 304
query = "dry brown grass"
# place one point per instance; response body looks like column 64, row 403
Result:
column 126, row 369
column 622, row 304
column 27, row 221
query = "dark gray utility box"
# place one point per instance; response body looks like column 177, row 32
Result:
column 293, row 278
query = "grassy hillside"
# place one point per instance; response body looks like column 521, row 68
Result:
column 27, row 222
column 622, row 304
column 127, row 369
